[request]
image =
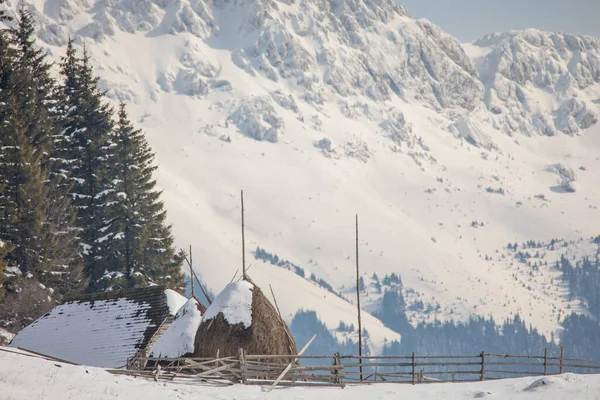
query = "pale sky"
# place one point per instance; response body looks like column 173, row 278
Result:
column 468, row 20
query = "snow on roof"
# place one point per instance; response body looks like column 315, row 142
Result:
column 179, row 338
column 102, row 330
column 175, row 301
column 235, row 302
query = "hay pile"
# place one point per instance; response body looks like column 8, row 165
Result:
column 178, row 340
column 242, row 317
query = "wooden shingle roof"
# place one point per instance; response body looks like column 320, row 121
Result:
column 102, row 329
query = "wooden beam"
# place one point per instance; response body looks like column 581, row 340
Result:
column 192, row 273
column 275, row 300
column 292, row 363
column 189, row 261
column 243, row 241
column 358, row 304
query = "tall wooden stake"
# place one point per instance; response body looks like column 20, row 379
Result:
column 562, row 353
column 275, row 300
column 194, row 276
column 192, row 272
column 243, row 241
column 358, row 305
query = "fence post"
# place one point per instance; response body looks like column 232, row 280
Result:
column 334, row 372
column 242, row 365
column 482, row 377
column 545, row 360
column 340, row 370
column 562, row 352
column 413, row 368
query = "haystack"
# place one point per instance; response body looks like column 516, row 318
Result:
column 241, row 316
column 178, row 339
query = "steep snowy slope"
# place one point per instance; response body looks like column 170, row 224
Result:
column 323, row 109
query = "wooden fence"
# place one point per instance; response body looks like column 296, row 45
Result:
column 338, row 370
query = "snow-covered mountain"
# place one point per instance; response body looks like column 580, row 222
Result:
column 322, row 109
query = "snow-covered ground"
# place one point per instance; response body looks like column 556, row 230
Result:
column 322, row 112
column 25, row 377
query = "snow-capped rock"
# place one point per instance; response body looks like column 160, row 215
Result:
column 257, row 119
column 531, row 80
column 397, row 129
column 472, row 132
column 566, row 177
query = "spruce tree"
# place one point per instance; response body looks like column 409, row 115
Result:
column 21, row 201
column 20, row 174
column 38, row 94
column 36, row 216
column 85, row 150
column 4, row 250
column 144, row 246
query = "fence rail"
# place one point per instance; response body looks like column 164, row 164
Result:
column 339, row 370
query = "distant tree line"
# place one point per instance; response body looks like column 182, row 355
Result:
column 584, row 281
column 580, row 334
column 79, row 208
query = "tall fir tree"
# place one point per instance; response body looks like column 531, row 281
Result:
column 35, row 217
column 37, row 99
column 21, row 202
column 85, row 150
column 5, row 248
column 144, row 251
column 5, row 62
column 39, row 95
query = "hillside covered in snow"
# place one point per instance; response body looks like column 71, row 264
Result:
column 321, row 110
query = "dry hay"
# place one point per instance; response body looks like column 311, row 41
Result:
column 267, row 335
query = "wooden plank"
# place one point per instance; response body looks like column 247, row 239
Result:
column 292, row 363
column 197, row 365
column 426, row 364
column 409, row 357
column 512, row 356
column 184, row 359
column 526, row 373
column 580, row 366
column 517, row 364
column 217, row 369
column 276, row 356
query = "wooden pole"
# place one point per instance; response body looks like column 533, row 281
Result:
column 562, row 353
column 275, row 300
column 243, row 241
column 482, row 375
column 358, row 305
column 413, row 368
column 196, row 276
column 191, row 272
column 242, row 365
column 545, row 360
